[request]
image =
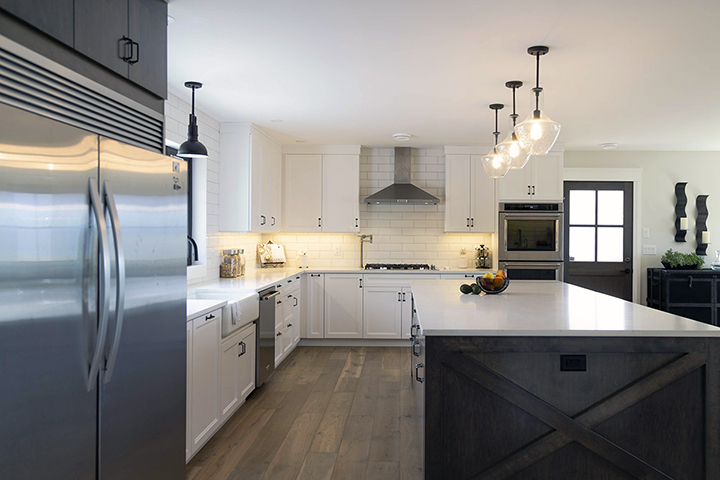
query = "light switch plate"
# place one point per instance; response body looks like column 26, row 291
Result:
column 646, row 233
column 649, row 250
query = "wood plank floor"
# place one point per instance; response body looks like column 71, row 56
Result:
column 327, row 413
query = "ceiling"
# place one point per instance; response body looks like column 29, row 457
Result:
column 643, row 74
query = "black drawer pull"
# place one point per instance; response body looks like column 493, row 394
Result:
column 209, row 317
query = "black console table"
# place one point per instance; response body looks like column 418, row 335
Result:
column 689, row 293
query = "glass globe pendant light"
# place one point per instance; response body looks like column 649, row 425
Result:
column 537, row 133
column 494, row 164
column 510, row 149
column 192, row 148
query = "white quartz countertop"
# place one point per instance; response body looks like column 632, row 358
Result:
column 196, row 308
column 257, row 279
column 542, row 308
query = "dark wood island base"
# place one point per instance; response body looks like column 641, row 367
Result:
column 523, row 408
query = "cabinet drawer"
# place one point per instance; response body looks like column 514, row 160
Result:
column 690, row 290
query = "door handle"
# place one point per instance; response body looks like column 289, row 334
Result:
column 357, row 220
column 533, row 190
column 242, row 344
column 413, row 332
column 403, row 295
column 296, row 302
column 104, row 284
column 360, row 282
column 319, row 222
column 135, row 53
column 528, row 189
column 120, row 292
column 209, row 317
column 273, row 222
column 472, row 222
column 399, row 297
column 263, row 220
column 278, row 334
column 467, row 222
column 289, row 325
column 418, row 366
column 416, row 343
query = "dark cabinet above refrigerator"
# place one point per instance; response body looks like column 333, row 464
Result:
column 126, row 37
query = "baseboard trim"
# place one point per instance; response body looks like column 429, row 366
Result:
column 351, row 342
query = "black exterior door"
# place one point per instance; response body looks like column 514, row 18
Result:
column 599, row 236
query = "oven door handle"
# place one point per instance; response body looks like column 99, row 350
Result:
column 532, row 265
column 532, row 216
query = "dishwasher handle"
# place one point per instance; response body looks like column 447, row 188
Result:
column 268, row 295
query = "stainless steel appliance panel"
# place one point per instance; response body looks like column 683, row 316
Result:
column 533, row 270
column 266, row 337
column 142, row 408
column 530, row 235
column 48, row 293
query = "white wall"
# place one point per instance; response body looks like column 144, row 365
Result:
column 660, row 172
column 401, row 233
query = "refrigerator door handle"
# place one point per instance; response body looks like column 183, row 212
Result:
column 120, row 292
column 103, row 284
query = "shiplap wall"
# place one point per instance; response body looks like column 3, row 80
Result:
column 401, row 233
column 176, row 118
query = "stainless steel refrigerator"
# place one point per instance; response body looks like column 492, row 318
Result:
column 92, row 305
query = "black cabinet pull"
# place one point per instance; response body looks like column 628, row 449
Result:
column 244, row 349
column 403, row 295
column 416, row 343
column 467, row 222
column 135, row 53
column 528, row 189
column 289, row 325
column 209, row 317
column 278, row 334
column 399, row 297
column 273, row 222
column 413, row 332
column 319, row 222
column 533, row 189
column 360, row 282
column 417, row 374
column 356, row 222
column 296, row 302
column 125, row 49
column 472, row 221
column 263, row 220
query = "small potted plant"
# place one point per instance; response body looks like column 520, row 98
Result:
column 673, row 260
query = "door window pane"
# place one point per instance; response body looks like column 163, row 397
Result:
column 582, row 207
column 582, row 244
column 610, row 207
column 610, row 244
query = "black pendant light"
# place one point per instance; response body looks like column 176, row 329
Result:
column 192, row 148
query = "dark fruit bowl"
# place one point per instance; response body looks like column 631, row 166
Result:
column 504, row 286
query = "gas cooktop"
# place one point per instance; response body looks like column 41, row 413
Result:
column 397, row 266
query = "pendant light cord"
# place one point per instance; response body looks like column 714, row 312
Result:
column 514, row 115
column 537, row 88
column 496, row 133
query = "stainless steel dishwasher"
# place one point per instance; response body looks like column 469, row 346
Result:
column 266, row 336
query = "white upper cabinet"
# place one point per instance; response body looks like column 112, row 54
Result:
column 470, row 204
column 341, row 193
column 250, row 193
column 303, row 193
column 322, row 192
column 540, row 180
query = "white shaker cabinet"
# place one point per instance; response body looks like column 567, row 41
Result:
column 382, row 312
column 303, row 193
column 470, row 195
column 540, row 180
column 321, row 193
column 341, row 193
column 246, row 361
column 188, row 392
column 205, row 411
column 314, row 308
column 237, row 370
column 250, row 194
column 343, row 306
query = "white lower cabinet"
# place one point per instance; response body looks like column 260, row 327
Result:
column 287, row 323
column 343, row 305
column 237, row 370
column 314, row 309
column 204, row 397
column 382, row 312
column 220, row 375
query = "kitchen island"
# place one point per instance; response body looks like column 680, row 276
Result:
column 553, row 381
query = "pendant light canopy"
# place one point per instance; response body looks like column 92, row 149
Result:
column 537, row 133
column 493, row 163
column 510, row 149
column 192, row 148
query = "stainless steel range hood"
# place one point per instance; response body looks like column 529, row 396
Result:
column 402, row 191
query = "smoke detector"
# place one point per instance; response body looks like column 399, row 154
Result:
column 609, row 146
column 402, row 137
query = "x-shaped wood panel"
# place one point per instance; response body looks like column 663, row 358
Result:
column 569, row 429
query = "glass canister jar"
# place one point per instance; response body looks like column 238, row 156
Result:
column 233, row 263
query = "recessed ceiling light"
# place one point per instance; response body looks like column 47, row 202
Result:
column 299, row 141
column 608, row 146
column 402, row 137
column 170, row 19
column 276, row 121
